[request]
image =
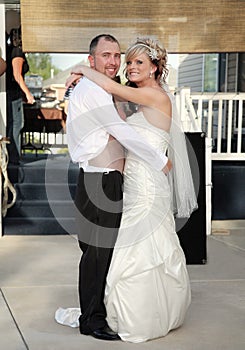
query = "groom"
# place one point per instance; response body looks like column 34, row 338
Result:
column 99, row 194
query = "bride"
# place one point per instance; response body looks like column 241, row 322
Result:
column 148, row 291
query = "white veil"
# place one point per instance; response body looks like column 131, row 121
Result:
column 184, row 198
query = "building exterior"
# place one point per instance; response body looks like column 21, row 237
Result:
column 216, row 85
column 214, row 99
column 213, row 72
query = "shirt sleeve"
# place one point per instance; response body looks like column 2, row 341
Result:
column 17, row 52
column 102, row 113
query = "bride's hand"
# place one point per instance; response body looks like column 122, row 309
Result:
column 76, row 73
column 167, row 167
column 73, row 79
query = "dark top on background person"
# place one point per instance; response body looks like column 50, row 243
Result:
column 14, row 50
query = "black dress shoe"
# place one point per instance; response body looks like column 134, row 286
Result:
column 103, row 333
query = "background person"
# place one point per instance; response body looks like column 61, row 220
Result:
column 17, row 93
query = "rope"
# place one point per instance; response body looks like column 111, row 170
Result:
column 7, row 186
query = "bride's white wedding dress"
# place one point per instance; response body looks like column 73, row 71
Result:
column 147, row 292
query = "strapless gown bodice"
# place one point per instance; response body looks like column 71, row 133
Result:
column 158, row 138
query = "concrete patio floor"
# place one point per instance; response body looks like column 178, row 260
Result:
column 38, row 274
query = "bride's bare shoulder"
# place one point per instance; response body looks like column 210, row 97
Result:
column 164, row 102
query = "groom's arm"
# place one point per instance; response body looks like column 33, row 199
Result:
column 105, row 115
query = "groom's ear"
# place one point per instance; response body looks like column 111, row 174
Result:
column 91, row 61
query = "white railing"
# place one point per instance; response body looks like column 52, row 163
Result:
column 221, row 116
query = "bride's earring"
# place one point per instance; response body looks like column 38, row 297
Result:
column 150, row 75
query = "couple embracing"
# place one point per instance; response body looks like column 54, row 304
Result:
column 133, row 281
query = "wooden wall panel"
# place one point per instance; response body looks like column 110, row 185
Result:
column 182, row 26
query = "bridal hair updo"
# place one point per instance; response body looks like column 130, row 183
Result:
column 156, row 54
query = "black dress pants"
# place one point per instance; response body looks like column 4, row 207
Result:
column 99, row 203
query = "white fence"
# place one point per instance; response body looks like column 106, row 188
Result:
column 222, row 117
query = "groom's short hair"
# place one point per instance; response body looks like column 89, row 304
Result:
column 94, row 42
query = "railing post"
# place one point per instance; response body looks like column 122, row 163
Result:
column 188, row 115
column 184, row 91
column 208, row 183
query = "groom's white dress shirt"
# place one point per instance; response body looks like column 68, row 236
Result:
column 92, row 118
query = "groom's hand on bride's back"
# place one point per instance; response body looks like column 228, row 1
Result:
column 167, row 167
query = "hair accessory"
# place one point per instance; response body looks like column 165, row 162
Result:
column 153, row 53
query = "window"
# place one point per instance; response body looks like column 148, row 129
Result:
column 210, row 72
